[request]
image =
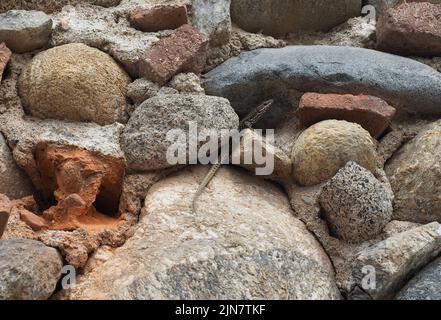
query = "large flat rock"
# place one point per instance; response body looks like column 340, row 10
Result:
column 253, row 76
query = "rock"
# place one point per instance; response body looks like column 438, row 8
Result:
column 255, row 76
column 372, row 113
column 391, row 262
column 411, row 29
column 145, row 141
column 160, row 17
column 104, row 29
column 187, row 83
column 425, row 285
column 28, row 270
column 182, row 51
column 5, row 55
column 324, row 148
column 5, row 210
column 141, row 89
column 75, row 82
column 243, row 244
column 278, row 17
column 25, row 31
column 50, row 6
column 14, row 182
column 212, row 18
column 414, row 173
column 395, row 226
column 382, row 5
column 356, row 205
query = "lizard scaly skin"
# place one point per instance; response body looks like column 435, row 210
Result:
column 247, row 122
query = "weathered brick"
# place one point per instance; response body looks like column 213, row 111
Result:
column 160, row 17
column 5, row 55
column 411, row 29
column 185, row 50
column 372, row 113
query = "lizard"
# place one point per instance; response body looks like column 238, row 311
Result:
column 246, row 123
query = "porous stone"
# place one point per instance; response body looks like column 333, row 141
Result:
column 379, row 271
column 183, row 51
column 244, row 243
column 28, row 270
column 159, row 17
column 187, row 83
column 356, row 205
column 382, row 5
column 415, row 174
column 75, row 82
column 324, row 148
column 5, row 55
column 425, row 285
column 145, row 141
column 372, row 113
column 50, row 6
column 255, row 76
column 278, row 17
column 411, row 29
column 141, row 89
column 24, row 31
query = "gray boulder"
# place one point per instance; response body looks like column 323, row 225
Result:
column 25, row 31
column 144, row 139
column 426, row 285
column 28, row 270
column 278, row 17
column 242, row 243
column 254, row 76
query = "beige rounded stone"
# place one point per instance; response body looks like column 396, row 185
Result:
column 324, row 148
column 74, row 82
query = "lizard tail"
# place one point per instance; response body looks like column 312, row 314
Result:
column 204, row 184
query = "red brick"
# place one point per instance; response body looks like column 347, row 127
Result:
column 372, row 113
column 5, row 55
column 160, row 17
column 185, row 50
column 411, row 29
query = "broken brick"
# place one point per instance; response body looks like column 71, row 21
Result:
column 5, row 55
column 161, row 17
column 185, row 50
column 372, row 113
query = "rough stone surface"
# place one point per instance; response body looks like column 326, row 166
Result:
column 382, row 5
column 394, row 261
column 5, row 55
column 415, row 174
column 144, row 140
column 255, row 76
column 5, row 211
column 425, row 285
column 411, row 29
column 356, row 205
column 141, row 90
column 395, row 226
column 243, row 244
column 212, row 18
column 372, row 113
column 183, row 51
column 279, row 17
column 324, row 148
column 14, row 182
column 28, row 270
column 24, row 31
column 160, row 17
column 187, row 83
column 75, row 82
column 50, row 6
column 105, row 29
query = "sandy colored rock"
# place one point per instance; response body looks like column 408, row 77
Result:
column 324, row 148
column 414, row 173
column 187, row 83
column 160, row 17
column 356, row 205
column 5, row 211
column 411, row 29
column 372, row 113
column 5, row 55
column 75, row 82
column 141, row 90
column 183, row 51
column 25, row 31
column 50, row 6
column 244, row 242
column 28, row 270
